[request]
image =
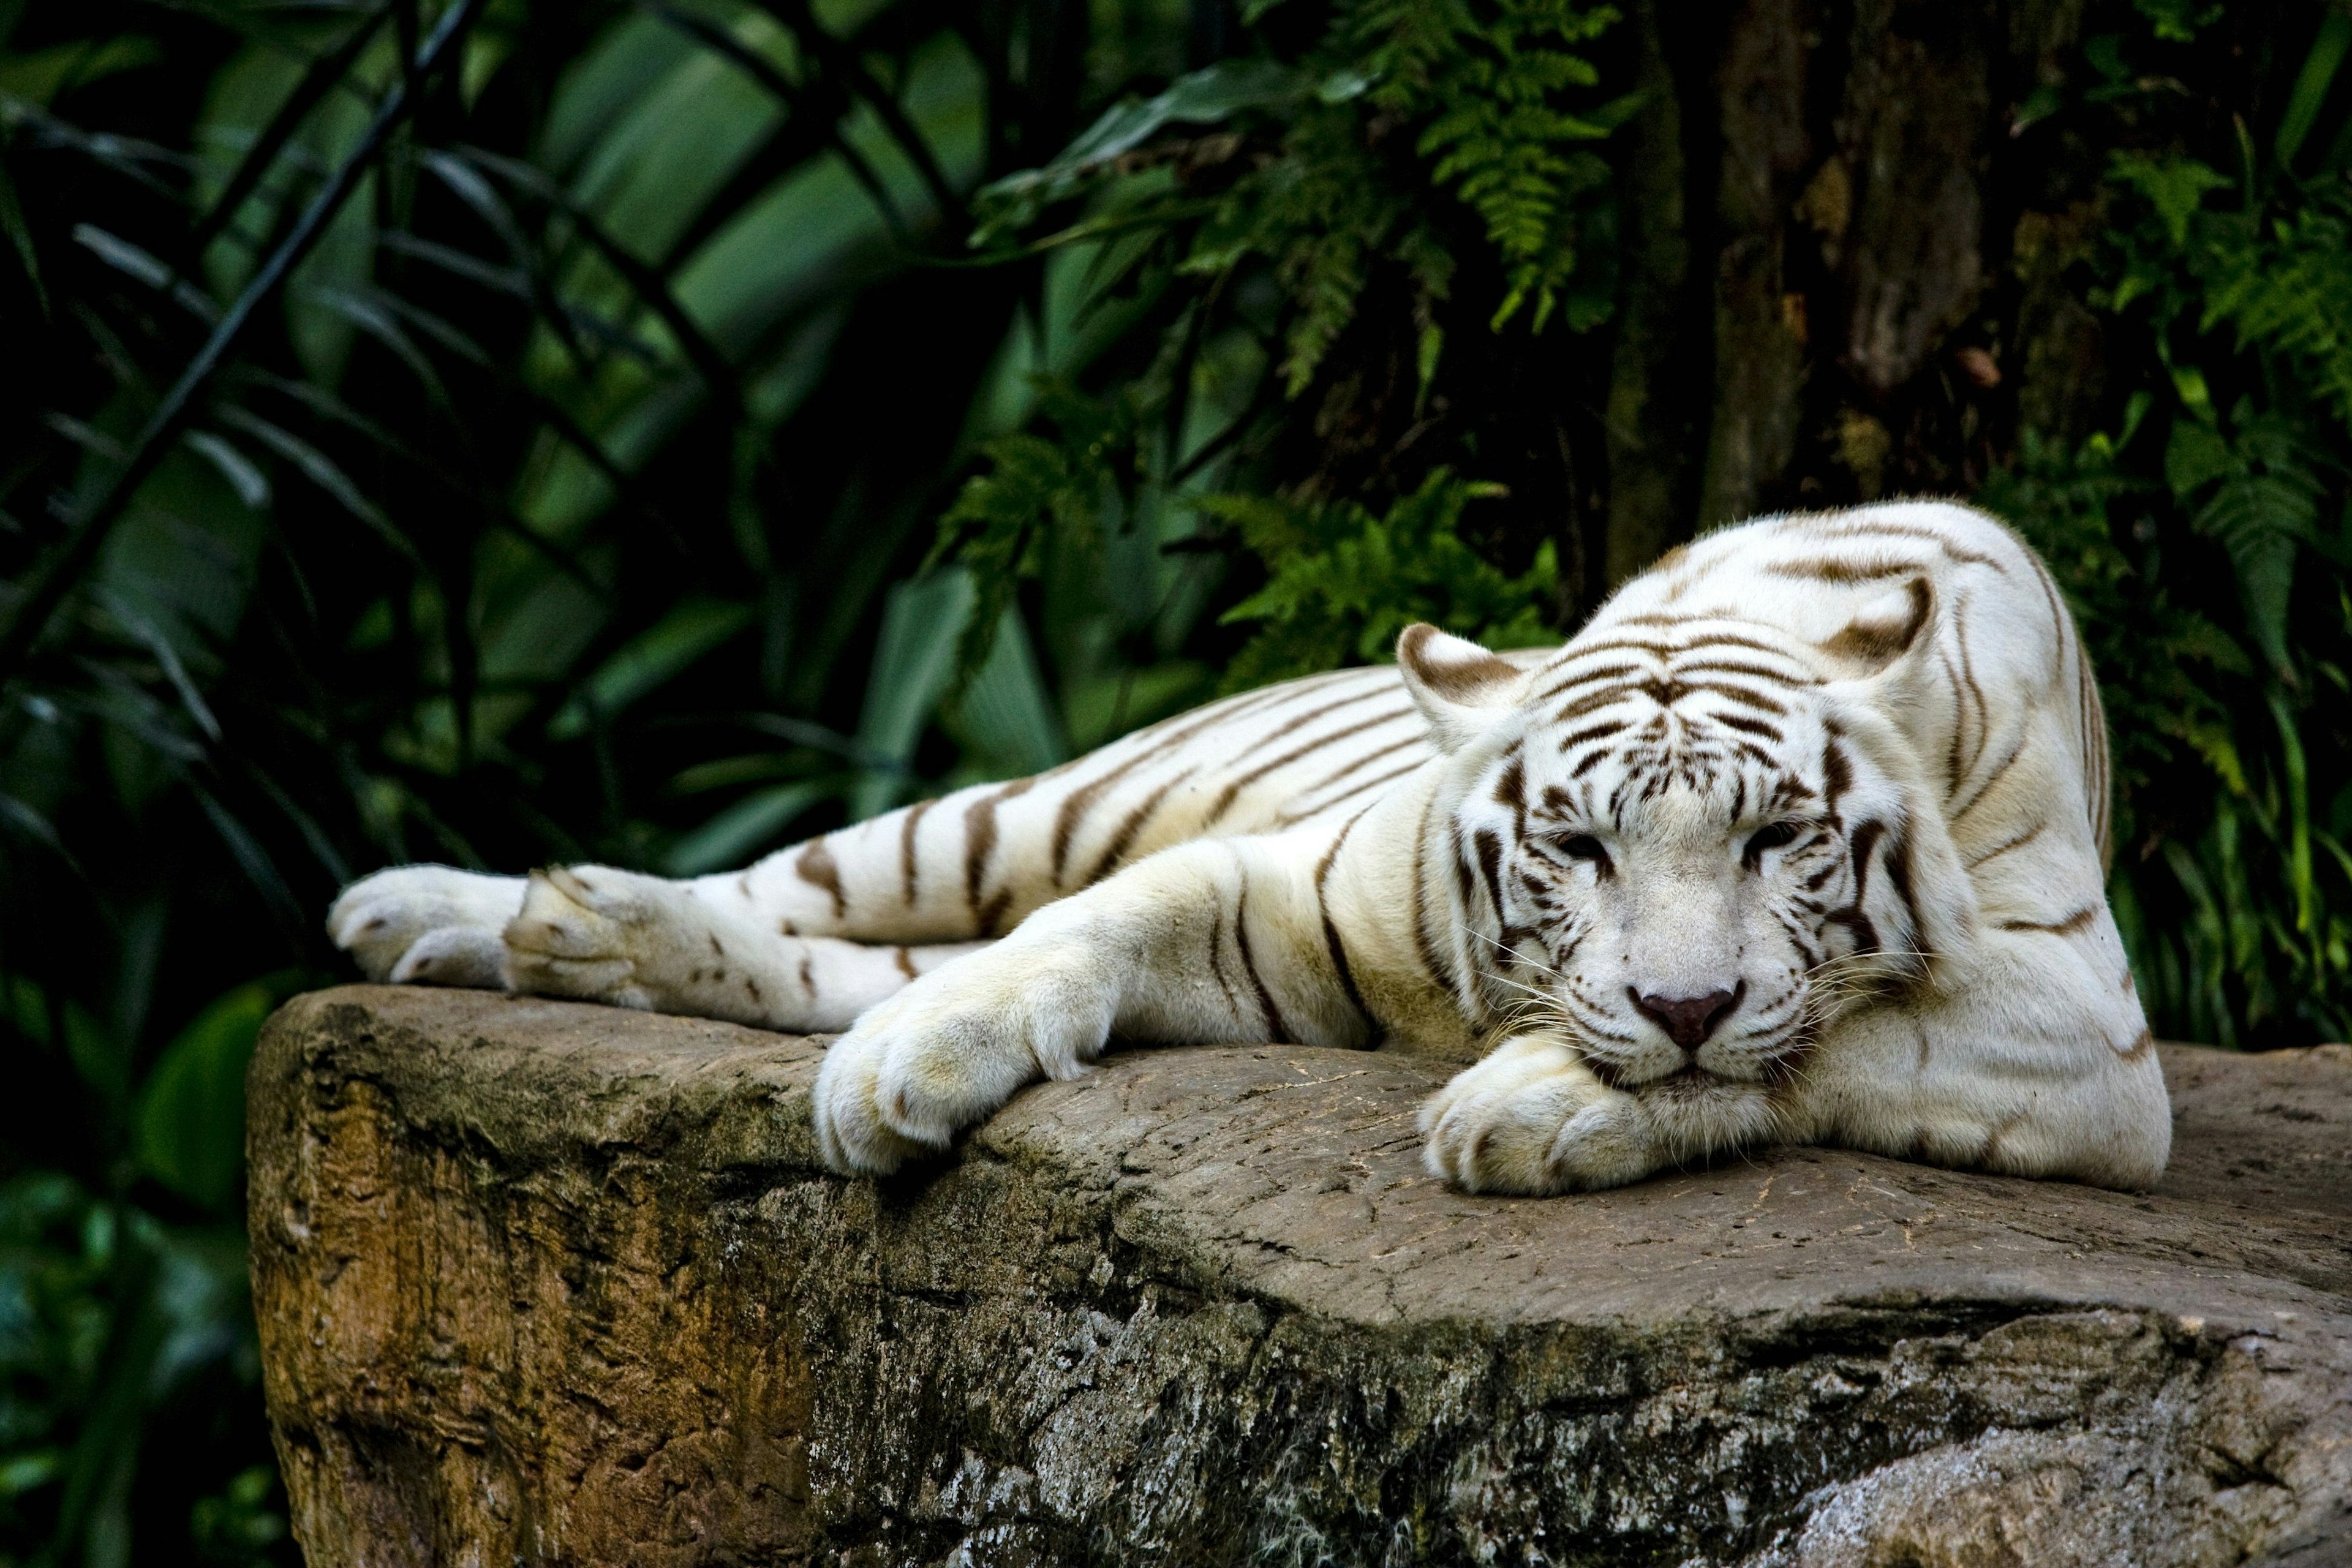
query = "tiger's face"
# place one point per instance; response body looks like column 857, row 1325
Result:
column 1680, row 848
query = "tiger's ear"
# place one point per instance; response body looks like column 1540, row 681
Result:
column 1885, row 630
column 1459, row 686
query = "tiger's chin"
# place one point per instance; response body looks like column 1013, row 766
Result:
column 1694, row 1113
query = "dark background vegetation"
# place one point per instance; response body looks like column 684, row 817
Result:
column 510, row 432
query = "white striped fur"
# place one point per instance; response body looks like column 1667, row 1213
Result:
column 1799, row 840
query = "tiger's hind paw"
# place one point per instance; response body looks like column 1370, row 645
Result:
column 585, row 934
column 429, row 924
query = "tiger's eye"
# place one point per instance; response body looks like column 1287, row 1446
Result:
column 1582, row 846
column 1776, row 836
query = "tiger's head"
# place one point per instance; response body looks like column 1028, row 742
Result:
column 1686, row 845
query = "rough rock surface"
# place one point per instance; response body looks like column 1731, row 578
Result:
column 548, row 1283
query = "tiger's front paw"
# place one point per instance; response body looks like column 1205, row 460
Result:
column 435, row 925
column 1531, row 1119
column 948, row 1051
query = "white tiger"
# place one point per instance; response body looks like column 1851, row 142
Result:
column 1802, row 838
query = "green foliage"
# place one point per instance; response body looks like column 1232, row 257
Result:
column 1342, row 582
column 1506, row 146
column 2206, row 547
column 1405, row 137
column 188, row 1125
column 1492, row 91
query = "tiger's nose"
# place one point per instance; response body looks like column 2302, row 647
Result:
column 1687, row 1020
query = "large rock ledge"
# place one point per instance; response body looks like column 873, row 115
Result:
column 548, row 1283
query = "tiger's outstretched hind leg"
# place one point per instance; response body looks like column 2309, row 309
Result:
column 598, row 934
column 603, row 935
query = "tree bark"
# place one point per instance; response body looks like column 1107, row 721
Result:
column 1883, row 258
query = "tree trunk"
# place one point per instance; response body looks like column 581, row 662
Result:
column 1828, row 188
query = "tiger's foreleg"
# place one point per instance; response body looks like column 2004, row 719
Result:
column 1216, row 940
column 2037, row 1062
column 2029, row 1059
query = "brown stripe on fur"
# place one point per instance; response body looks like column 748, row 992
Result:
column 1423, row 949
column 1364, row 760
column 1275, row 1022
column 1735, row 639
column 993, row 914
column 1865, row 839
column 979, row 844
column 1874, row 530
column 1296, row 722
column 1592, row 700
column 1583, row 678
column 1490, row 864
column 1899, row 876
column 1130, row 826
column 1338, row 949
column 1842, row 571
column 2018, row 842
column 1751, row 726
column 2140, row 1046
column 907, row 868
column 1511, row 783
column 1351, row 793
column 906, row 962
column 1686, row 668
column 2076, row 922
column 2007, row 762
column 1177, row 729
column 1233, row 787
column 1217, row 962
column 1880, row 643
column 814, row 865
column 1739, row 694
column 1569, row 741
column 1960, row 725
column 1837, row 774
column 1969, row 679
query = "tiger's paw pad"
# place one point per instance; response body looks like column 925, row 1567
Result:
column 430, row 924
column 945, row 1053
column 1532, row 1119
column 590, row 933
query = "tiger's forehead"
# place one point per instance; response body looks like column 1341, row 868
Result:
column 1679, row 715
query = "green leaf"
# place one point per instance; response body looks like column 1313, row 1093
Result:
column 2176, row 187
column 2176, row 21
column 12, row 218
column 2311, row 84
column 914, row 665
column 736, row 835
column 1206, row 97
column 39, row 77
column 188, row 1129
column 664, row 650
column 1004, row 714
column 2194, row 457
